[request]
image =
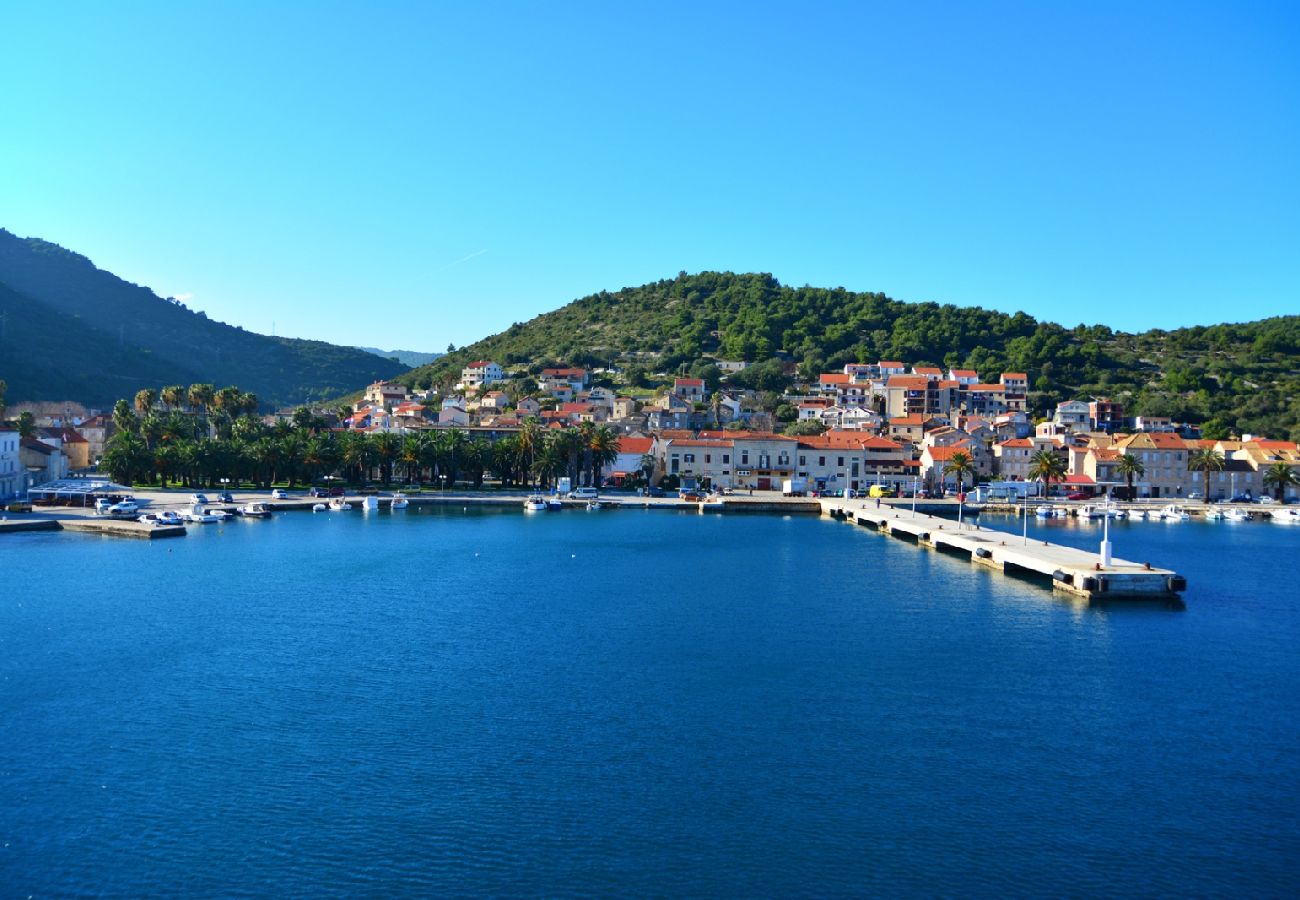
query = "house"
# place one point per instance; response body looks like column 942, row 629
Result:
column 96, row 430
column 761, row 460
column 890, row 368
column 907, row 395
column 1015, row 383
column 494, row 400
column 624, row 407
column 1153, row 423
column 859, row 418
column 552, row 379
column 1106, row 415
column 632, row 449
column 452, row 416
column 42, row 462
column 985, row 399
column 843, row 460
column 1012, row 459
column 384, row 393
column 480, row 373
column 908, row 428
column 527, row 406
column 933, row 459
column 690, row 389
column 811, row 410
column 75, row 447
column 1164, row 460
column 964, row 376
column 13, row 474
column 1073, row 415
column 583, row 412
column 700, row 461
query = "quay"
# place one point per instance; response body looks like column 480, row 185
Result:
column 1069, row 570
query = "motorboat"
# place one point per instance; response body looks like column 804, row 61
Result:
column 339, row 504
column 1043, row 512
column 1061, row 512
column 1286, row 516
column 1238, row 515
column 369, row 503
column 170, row 517
column 400, row 501
column 593, row 505
column 319, row 507
column 1137, row 514
column 199, row 516
column 535, row 503
column 1215, row 515
column 554, row 504
column 1174, row 513
column 255, row 511
column 1088, row 511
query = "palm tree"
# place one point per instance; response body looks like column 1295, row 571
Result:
column 961, row 465
column 1046, row 466
column 603, row 445
column 1129, row 466
column 144, row 401
column 124, row 418
column 388, row 447
column 1205, row 460
column 1281, row 475
column 173, row 395
column 529, row 442
column 200, row 397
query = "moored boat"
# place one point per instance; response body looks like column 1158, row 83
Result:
column 255, row 510
column 338, row 504
column 1174, row 513
column 535, row 503
column 1238, row 515
column 400, row 501
column 369, row 503
column 1286, row 516
column 319, row 507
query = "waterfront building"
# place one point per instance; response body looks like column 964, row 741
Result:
column 42, row 462
column 13, row 475
column 1164, row 459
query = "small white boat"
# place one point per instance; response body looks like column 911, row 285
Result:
column 554, row 504
column 170, row 517
column 1237, row 515
column 198, row 516
column 338, row 504
column 1060, row 512
column 400, row 501
column 1115, row 513
column 369, row 503
column 1043, row 512
column 219, row 515
column 255, row 511
column 535, row 503
column 1286, row 516
column 1088, row 511
column 1174, row 513
column 319, row 507
column 1215, row 515
column 593, row 505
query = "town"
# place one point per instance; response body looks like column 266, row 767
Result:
column 886, row 427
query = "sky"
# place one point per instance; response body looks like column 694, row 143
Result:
column 408, row 175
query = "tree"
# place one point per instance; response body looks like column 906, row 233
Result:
column 124, row 419
column 26, row 424
column 1205, row 460
column 603, row 444
column 1128, row 467
column 4, row 388
column 1280, row 475
column 199, row 397
column 961, row 465
column 1046, row 466
column 144, row 401
column 173, row 395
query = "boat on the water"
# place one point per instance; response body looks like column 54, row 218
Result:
column 369, row 503
column 1238, row 515
column 1286, row 516
column 1215, row 515
column 256, row 510
column 554, row 504
column 1174, row 513
column 400, row 501
column 199, row 516
column 535, row 503
column 339, row 504
column 1089, row 511
column 319, row 507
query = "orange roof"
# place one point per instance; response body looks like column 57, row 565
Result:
column 701, row 443
column 913, row 419
column 833, row 378
column 1104, row 454
column 927, row 370
column 689, row 382
column 911, row 382
column 640, row 445
column 1019, row 376
column 889, row 364
column 1017, row 442
column 943, row 454
column 965, row 373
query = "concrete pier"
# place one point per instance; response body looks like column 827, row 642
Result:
column 1069, row 570
column 122, row 528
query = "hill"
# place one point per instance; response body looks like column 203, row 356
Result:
column 409, row 358
column 69, row 330
column 1233, row 378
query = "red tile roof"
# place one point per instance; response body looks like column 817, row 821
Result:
column 640, row 445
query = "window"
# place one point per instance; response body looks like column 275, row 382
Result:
column 708, row 457
column 726, row 458
column 803, row 460
column 744, row 457
column 688, row 457
column 821, row 461
column 839, row 462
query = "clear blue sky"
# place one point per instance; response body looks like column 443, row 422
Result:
column 405, row 175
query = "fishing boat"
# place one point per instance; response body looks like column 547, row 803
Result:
column 255, row 510
column 1215, row 515
column 1043, row 512
column 1088, row 511
column 400, row 501
column 339, row 504
column 1174, row 513
column 535, row 503
column 1238, row 515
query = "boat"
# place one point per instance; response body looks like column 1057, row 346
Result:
column 1043, row 512
column 1174, row 513
column 1215, row 515
column 1137, row 514
column 338, row 504
column 369, row 502
column 400, row 501
column 219, row 515
column 1286, row 516
column 1237, row 515
column 319, row 507
column 170, row 517
column 1088, row 511
column 554, row 503
column 593, row 505
column 535, row 503
column 712, row 503
column 1060, row 512
column 255, row 511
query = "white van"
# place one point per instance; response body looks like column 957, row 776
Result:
column 584, row 493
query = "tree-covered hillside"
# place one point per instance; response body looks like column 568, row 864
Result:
column 74, row 332
column 1233, row 378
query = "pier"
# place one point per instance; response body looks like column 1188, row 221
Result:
column 1069, row 570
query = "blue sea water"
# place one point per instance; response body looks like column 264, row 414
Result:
column 474, row 701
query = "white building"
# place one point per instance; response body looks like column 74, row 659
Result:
column 13, row 476
column 479, row 373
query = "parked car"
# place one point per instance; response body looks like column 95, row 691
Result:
column 1077, row 495
column 1195, row 495
column 198, row 498
column 279, row 494
column 318, row 492
column 691, row 496
column 225, row 497
column 1265, row 499
column 1241, row 498
column 584, row 493
column 655, row 491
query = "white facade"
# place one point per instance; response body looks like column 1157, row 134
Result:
column 13, row 477
column 480, row 373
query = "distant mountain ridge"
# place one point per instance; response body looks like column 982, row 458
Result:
column 409, row 358
column 72, row 331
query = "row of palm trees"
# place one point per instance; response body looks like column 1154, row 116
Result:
column 180, row 447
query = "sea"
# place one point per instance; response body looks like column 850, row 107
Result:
column 474, row 701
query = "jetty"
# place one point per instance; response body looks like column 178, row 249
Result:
column 1068, row 569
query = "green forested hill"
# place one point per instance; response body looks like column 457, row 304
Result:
column 74, row 332
column 1233, row 378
